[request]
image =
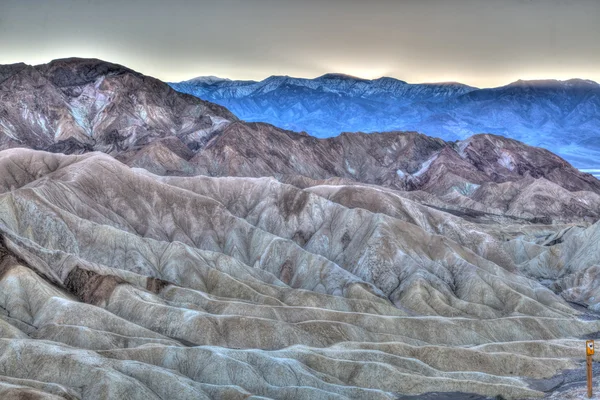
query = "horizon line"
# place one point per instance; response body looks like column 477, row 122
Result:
column 432, row 82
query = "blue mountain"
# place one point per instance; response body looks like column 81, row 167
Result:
column 562, row 116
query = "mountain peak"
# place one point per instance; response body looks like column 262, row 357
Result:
column 450, row 84
column 11, row 66
column 8, row 70
column 79, row 71
column 120, row 101
column 340, row 76
column 388, row 79
column 578, row 81
column 209, row 79
column 552, row 83
column 277, row 78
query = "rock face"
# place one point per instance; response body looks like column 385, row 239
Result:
column 562, row 116
column 76, row 105
column 251, row 262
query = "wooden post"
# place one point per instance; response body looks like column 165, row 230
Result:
column 589, row 352
column 589, row 376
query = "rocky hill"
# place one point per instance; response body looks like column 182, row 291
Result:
column 77, row 105
column 487, row 173
column 203, row 257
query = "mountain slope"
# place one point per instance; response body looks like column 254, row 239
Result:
column 128, row 285
column 561, row 116
column 463, row 173
column 75, row 104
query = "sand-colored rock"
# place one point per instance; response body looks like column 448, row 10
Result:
column 118, row 283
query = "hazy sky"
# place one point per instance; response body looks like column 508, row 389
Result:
column 483, row 43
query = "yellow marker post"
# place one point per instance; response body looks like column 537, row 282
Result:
column 589, row 352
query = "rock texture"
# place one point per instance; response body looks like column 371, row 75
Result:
column 486, row 173
column 123, row 284
column 76, row 105
column 244, row 261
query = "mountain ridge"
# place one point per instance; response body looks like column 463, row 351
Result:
column 81, row 105
column 562, row 116
column 339, row 75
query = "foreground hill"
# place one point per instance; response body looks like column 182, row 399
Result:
column 122, row 284
column 239, row 260
column 562, row 116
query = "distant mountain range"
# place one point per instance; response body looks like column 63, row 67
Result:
column 562, row 116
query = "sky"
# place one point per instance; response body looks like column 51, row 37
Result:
column 483, row 43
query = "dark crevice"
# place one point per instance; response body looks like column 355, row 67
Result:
column 91, row 287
